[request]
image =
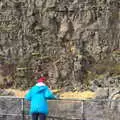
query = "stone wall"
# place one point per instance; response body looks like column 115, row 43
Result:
column 62, row 109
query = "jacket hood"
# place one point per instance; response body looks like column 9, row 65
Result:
column 37, row 89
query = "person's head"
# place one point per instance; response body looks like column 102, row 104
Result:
column 41, row 79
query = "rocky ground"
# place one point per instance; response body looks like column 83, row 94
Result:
column 99, row 89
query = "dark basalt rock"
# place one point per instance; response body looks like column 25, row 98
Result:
column 53, row 36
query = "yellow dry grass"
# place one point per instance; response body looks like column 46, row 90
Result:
column 78, row 95
column 65, row 95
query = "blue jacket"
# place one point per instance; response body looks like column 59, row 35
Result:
column 38, row 96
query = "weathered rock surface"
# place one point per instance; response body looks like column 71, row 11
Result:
column 6, row 93
column 62, row 38
column 106, row 82
column 107, row 87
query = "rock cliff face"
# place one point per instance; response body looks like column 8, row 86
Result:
column 61, row 38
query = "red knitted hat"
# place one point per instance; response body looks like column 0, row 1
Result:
column 42, row 79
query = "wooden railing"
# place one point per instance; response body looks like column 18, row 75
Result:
column 12, row 108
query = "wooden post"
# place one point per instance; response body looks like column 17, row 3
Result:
column 22, row 108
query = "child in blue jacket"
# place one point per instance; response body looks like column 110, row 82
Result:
column 38, row 96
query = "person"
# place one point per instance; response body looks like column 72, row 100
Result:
column 38, row 96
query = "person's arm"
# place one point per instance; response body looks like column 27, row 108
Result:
column 28, row 95
column 49, row 94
